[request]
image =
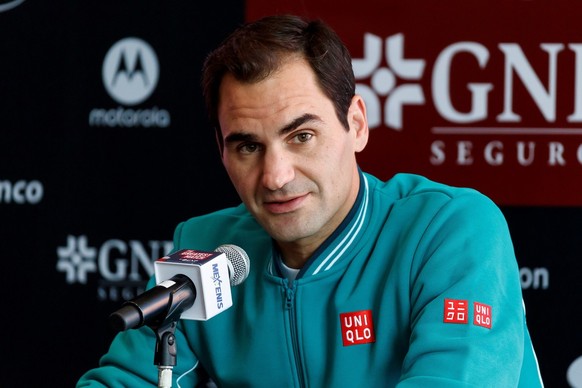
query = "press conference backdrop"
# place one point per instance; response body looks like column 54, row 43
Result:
column 105, row 147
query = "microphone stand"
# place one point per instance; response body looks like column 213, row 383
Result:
column 164, row 326
column 165, row 352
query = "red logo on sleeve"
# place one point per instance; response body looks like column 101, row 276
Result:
column 482, row 315
column 357, row 328
column 456, row 311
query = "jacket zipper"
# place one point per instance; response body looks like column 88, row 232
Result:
column 290, row 307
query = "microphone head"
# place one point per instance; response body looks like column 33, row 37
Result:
column 238, row 262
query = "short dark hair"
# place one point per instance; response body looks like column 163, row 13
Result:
column 257, row 49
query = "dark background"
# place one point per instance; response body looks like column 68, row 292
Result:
column 111, row 196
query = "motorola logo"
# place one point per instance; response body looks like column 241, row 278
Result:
column 130, row 74
column 574, row 373
column 130, row 71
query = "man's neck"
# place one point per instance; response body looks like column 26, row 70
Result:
column 296, row 255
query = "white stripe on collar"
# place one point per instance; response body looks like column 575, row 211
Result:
column 348, row 239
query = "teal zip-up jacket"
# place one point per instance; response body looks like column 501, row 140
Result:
column 418, row 287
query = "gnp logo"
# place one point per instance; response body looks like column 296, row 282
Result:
column 383, row 81
column 123, row 267
column 400, row 83
column 130, row 75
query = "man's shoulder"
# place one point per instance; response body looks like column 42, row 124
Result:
column 232, row 217
column 408, row 185
column 231, row 225
column 228, row 213
column 414, row 194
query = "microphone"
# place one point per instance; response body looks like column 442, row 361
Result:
column 189, row 286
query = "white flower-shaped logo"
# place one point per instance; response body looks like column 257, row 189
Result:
column 383, row 80
column 76, row 259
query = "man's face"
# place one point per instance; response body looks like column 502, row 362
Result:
column 290, row 159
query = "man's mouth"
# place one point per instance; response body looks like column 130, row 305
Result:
column 284, row 205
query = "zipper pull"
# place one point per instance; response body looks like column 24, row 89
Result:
column 289, row 294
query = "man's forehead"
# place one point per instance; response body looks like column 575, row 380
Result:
column 291, row 65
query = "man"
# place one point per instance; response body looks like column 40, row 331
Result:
column 354, row 282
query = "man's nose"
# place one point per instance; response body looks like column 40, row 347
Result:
column 277, row 169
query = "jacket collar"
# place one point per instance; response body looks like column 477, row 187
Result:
column 336, row 246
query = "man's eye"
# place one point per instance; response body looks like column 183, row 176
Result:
column 248, row 148
column 303, row 137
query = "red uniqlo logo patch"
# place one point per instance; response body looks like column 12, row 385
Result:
column 456, row 311
column 482, row 316
column 357, row 328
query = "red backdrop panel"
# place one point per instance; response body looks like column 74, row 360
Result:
column 482, row 94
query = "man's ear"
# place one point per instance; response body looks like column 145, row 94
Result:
column 358, row 121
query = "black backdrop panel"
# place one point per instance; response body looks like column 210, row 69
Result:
column 548, row 247
column 84, row 206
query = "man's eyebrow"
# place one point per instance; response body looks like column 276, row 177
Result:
column 241, row 136
column 299, row 121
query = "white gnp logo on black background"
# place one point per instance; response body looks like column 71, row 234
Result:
column 130, row 71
